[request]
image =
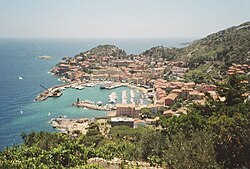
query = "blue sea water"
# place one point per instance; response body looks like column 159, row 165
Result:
column 18, row 57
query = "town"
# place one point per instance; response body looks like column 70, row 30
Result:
column 170, row 95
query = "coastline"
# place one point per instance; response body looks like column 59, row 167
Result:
column 71, row 126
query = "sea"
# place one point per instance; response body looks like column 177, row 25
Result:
column 21, row 73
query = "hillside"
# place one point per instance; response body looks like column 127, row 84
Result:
column 104, row 50
column 228, row 46
column 162, row 52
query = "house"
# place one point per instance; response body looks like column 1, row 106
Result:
column 121, row 121
column 128, row 110
column 154, row 108
column 194, row 95
column 185, row 92
column 170, row 99
column 161, row 101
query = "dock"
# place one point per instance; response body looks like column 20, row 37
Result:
column 52, row 92
column 113, row 86
column 92, row 106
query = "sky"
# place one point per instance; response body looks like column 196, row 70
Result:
column 119, row 18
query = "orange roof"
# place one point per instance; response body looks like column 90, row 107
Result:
column 176, row 91
column 172, row 96
column 168, row 112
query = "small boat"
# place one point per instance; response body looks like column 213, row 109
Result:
column 90, row 85
column 49, row 114
column 141, row 101
column 20, row 78
column 112, row 101
column 62, row 88
column 21, row 111
column 79, row 87
column 99, row 103
column 132, row 100
column 62, row 116
column 132, row 94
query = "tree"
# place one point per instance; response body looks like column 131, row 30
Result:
column 195, row 152
column 233, row 90
column 145, row 112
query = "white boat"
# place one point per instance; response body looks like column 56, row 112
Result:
column 90, row 85
column 112, row 98
column 21, row 111
column 62, row 88
column 79, row 87
column 132, row 94
column 124, row 100
column 132, row 100
column 20, row 78
column 99, row 103
column 49, row 114
column 112, row 101
column 141, row 101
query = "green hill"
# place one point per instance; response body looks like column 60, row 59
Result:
column 104, row 50
column 228, row 46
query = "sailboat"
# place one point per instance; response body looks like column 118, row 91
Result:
column 20, row 78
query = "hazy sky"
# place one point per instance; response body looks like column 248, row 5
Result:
column 119, row 18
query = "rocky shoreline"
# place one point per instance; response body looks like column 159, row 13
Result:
column 71, row 126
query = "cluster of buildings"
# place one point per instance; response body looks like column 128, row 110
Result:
column 137, row 69
column 165, row 94
column 238, row 69
column 168, row 92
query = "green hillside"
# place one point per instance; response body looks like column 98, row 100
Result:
column 228, row 46
column 104, row 50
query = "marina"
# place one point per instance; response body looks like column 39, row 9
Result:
column 56, row 91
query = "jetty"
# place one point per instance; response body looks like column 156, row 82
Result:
column 112, row 86
column 51, row 92
column 56, row 90
column 91, row 105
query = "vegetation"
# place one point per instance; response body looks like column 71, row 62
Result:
column 162, row 52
